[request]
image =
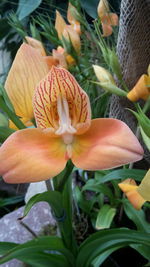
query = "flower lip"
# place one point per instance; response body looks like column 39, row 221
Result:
column 61, row 104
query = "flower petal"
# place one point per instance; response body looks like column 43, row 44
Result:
column 27, row 70
column 31, row 155
column 106, row 144
column 72, row 13
column 60, row 83
column 60, row 55
column 103, row 8
column 60, row 24
column 71, row 35
column 144, row 187
column 141, row 89
column 36, row 44
column 110, row 19
column 107, row 29
column 51, row 61
column 130, row 189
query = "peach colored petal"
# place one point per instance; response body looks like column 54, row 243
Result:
column 103, row 8
column 31, row 155
column 76, row 26
column 108, row 143
column 59, row 54
column 70, row 11
column 36, row 44
column 114, row 19
column 72, row 20
column 107, row 29
column 110, row 19
column 60, row 24
column 51, row 61
column 27, row 70
column 59, row 83
column 71, row 35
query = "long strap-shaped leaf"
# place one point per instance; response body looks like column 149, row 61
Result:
column 48, row 248
column 104, row 240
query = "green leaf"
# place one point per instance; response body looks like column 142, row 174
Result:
column 143, row 250
column 122, row 174
column 90, row 7
column 53, row 198
column 137, row 216
column 146, row 138
column 5, row 133
column 6, row 246
column 3, row 120
column 100, row 259
column 105, row 217
column 48, row 248
column 26, row 7
column 100, row 188
column 85, row 205
column 10, row 200
column 102, row 241
column 60, row 207
column 10, row 113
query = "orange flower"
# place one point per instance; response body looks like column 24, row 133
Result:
column 67, row 31
column 65, row 131
column 141, row 90
column 137, row 195
column 129, row 187
column 107, row 18
column 72, row 19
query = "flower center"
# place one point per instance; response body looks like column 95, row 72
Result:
column 65, row 126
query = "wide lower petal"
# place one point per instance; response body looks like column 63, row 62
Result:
column 31, row 155
column 107, row 144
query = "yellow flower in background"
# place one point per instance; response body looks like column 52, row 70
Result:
column 65, row 131
column 137, row 195
column 142, row 88
column 107, row 82
column 103, row 75
column 107, row 18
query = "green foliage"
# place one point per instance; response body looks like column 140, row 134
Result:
column 90, row 7
column 105, row 217
column 48, row 251
column 122, row 174
column 106, row 241
column 26, row 7
column 137, row 216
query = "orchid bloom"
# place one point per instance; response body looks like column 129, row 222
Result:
column 67, row 31
column 107, row 18
column 27, row 70
column 142, row 88
column 65, row 131
column 137, row 195
column 72, row 19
